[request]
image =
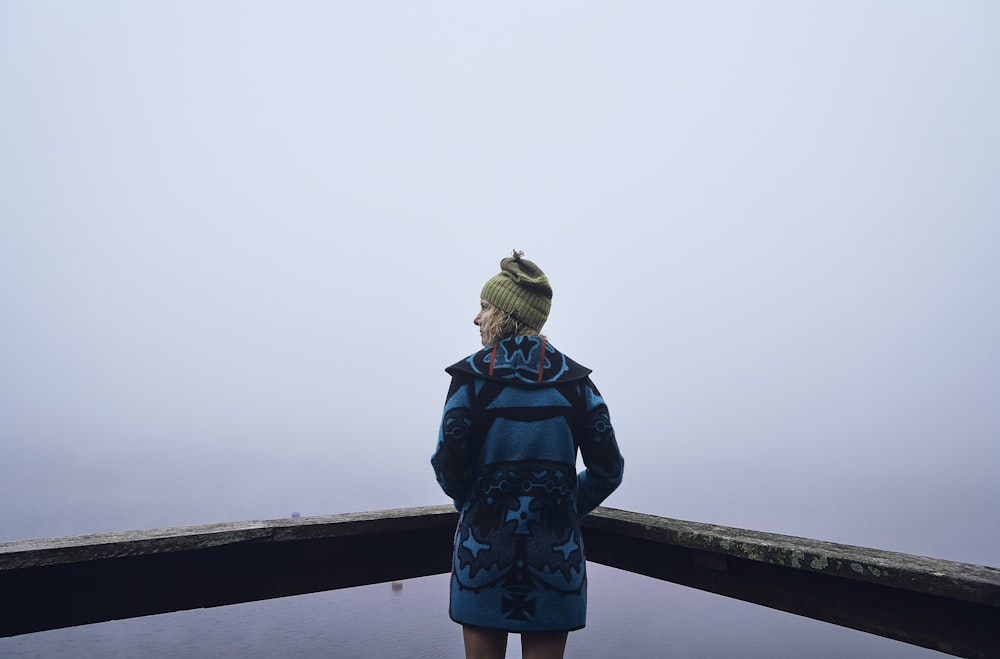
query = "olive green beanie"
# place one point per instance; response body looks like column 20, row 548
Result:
column 521, row 290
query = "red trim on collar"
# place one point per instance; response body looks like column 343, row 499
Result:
column 493, row 356
column 541, row 361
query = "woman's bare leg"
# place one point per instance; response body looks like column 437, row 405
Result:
column 483, row 643
column 543, row 645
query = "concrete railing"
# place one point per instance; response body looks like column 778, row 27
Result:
column 54, row 583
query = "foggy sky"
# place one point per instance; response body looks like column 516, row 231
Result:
column 239, row 243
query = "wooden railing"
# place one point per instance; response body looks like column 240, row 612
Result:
column 54, row 583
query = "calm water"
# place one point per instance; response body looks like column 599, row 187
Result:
column 630, row 616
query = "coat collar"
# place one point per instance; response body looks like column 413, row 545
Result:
column 521, row 360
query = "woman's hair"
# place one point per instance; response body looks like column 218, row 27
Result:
column 500, row 325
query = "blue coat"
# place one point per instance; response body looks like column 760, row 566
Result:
column 516, row 414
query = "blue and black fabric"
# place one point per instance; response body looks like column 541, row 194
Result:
column 516, row 414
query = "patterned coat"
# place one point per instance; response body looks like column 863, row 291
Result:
column 516, row 414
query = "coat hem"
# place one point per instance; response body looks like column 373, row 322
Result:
column 517, row 631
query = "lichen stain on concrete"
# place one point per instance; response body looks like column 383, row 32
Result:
column 875, row 571
column 819, row 563
column 797, row 557
column 726, row 543
column 857, row 567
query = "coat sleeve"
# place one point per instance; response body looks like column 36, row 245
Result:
column 456, row 452
column 599, row 449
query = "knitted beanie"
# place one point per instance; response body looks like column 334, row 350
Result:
column 521, row 290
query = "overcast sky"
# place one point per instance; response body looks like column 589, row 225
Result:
column 239, row 242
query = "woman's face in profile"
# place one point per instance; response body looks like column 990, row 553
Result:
column 486, row 311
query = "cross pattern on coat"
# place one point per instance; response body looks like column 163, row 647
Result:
column 523, row 515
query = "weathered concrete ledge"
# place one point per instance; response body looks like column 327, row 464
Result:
column 83, row 548
column 960, row 581
column 946, row 606
column 47, row 584
column 63, row 582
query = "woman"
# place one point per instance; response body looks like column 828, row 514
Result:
column 516, row 413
